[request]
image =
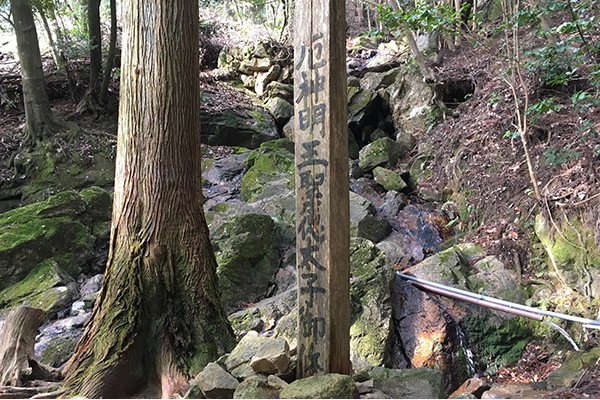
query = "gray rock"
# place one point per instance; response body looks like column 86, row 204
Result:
column 225, row 170
column 281, row 109
column 264, row 78
column 282, row 90
column 215, row 382
column 413, row 102
column 364, row 220
column 383, row 152
column 414, row 383
column 374, row 81
column 355, row 171
column 353, row 81
column 330, row 386
column 269, row 311
column 245, row 128
column 406, row 140
column 401, row 249
column 394, row 202
column 244, row 351
column 91, row 285
column 429, row 194
column 273, row 357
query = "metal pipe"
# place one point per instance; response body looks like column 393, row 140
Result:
column 478, row 301
column 454, row 291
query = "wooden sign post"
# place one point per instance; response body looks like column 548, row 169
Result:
column 322, row 192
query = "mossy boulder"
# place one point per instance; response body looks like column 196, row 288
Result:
column 64, row 227
column 382, row 152
column 361, row 105
column 255, row 387
column 421, row 168
column 246, row 248
column 271, row 164
column 372, row 331
column 414, row 383
column 237, row 127
column 46, row 287
column 58, row 351
column 376, row 80
column 55, row 166
column 498, row 344
column 571, row 252
column 573, row 366
column 389, row 179
column 330, row 386
column 413, row 102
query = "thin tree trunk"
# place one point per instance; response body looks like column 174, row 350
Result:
column 95, row 44
column 49, row 34
column 412, row 43
column 111, row 53
column 40, row 122
column 57, row 54
column 159, row 318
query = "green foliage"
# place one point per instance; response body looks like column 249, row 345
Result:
column 423, row 17
column 539, row 109
column 582, row 100
column 559, row 157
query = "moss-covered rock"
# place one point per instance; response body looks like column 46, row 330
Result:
column 330, row 386
column 58, row 351
column 64, row 227
column 573, row 366
column 382, row 152
column 55, row 166
column 46, row 287
column 413, row 101
column 246, row 248
column 270, row 163
column 572, row 253
column 361, row 105
column 414, row 383
column 421, row 168
column 389, row 179
column 237, row 127
column 498, row 345
column 372, row 287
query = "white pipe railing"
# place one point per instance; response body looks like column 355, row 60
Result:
column 480, row 298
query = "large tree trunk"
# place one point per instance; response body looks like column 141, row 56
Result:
column 40, row 122
column 159, row 317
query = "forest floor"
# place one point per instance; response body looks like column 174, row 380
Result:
column 564, row 146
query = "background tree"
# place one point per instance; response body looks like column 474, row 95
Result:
column 40, row 121
column 159, row 317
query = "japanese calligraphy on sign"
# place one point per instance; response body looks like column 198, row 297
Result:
column 322, row 221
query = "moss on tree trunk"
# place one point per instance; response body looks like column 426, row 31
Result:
column 159, row 317
column 40, row 122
